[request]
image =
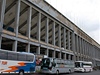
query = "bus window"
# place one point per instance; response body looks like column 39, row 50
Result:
column 29, row 58
column 77, row 64
column 12, row 56
column 21, row 57
column 3, row 55
column 45, row 62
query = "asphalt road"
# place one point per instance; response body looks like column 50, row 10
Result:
column 78, row 73
column 75, row 73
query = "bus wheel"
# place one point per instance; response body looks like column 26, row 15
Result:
column 57, row 72
column 21, row 72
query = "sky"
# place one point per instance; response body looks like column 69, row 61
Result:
column 84, row 13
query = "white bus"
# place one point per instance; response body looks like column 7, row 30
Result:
column 83, row 66
column 16, row 62
column 56, row 66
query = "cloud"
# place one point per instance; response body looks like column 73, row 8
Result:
column 84, row 13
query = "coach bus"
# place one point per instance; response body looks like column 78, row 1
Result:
column 16, row 62
column 56, row 66
column 83, row 66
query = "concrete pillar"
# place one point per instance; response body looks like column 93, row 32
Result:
column 2, row 12
column 77, row 41
column 47, row 51
column 73, row 45
column 38, row 50
column 68, row 40
column 79, row 44
column 69, row 57
column 59, row 55
column 82, row 46
column 17, row 16
column 39, row 27
column 0, row 40
column 28, row 48
column 54, row 54
column 59, row 36
column 47, row 31
column 65, row 56
column 53, row 32
column 29, row 21
column 64, row 38
column 14, row 48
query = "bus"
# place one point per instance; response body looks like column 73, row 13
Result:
column 56, row 66
column 39, row 58
column 16, row 62
column 83, row 66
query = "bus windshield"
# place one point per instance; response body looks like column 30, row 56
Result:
column 77, row 64
column 45, row 62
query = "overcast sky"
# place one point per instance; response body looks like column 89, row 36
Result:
column 84, row 13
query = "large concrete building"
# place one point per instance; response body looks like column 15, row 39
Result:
column 35, row 26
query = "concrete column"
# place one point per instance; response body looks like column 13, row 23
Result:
column 14, row 48
column 39, row 27
column 85, row 47
column 59, row 36
column 53, row 32
column 64, row 38
column 17, row 17
column 2, row 12
column 77, row 44
column 29, row 21
column 89, row 50
column 69, row 57
column 82, row 47
column 65, row 56
column 38, row 50
column 73, row 45
column 54, row 54
column 47, row 51
column 68, row 40
column 92, row 51
column 0, row 41
column 28, row 48
column 60, row 55
column 47, row 31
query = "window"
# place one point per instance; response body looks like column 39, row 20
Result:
column 21, row 57
column 30, row 58
column 3, row 54
column 12, row 56
column 77, row 64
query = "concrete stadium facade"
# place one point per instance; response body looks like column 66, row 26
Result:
column 35, row 26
